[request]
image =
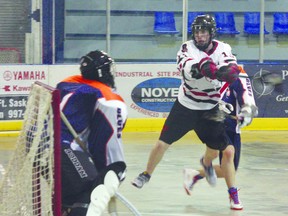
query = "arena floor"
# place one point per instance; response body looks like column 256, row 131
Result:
column 262, row 176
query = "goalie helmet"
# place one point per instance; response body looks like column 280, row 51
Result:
column 204, row 22
column 97, row 65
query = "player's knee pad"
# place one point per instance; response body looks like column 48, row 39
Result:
column 119, row 168
column 99, row 200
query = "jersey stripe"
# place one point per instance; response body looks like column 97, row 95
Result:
column 105, row 90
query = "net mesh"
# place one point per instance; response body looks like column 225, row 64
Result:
column 27, row 187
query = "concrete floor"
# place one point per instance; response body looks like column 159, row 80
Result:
column 262, row 176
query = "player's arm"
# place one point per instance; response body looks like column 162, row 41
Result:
column 188, row 63
column 245, row 99
column 228, row 69
column 192, row 67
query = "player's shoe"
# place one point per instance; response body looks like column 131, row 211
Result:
column 141, row 179
column 235, row 202
column 210, row 174
column 190, row 178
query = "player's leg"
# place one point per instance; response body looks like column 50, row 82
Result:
column 102, row 194
column 212, row 133
column 236, row 142
column 78, row 175
column 227, row 165
column 237, row 146
column 105, row 187
column 178, row 123
column 155, row 157
column 228, row 168
column 206, row 162
column 79, row 207
column 192, row 176
column 235, row 202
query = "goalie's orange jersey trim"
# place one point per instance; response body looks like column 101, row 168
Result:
column 105, row 90
column 241, row 69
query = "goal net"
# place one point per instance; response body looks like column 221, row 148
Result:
column 32, row 183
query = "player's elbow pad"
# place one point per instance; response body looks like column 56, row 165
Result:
column 228, row 73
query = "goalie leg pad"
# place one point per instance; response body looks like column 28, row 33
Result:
column 111, row 182
column 101, row 195
column 99, row 200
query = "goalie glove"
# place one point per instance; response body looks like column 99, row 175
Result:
column 225, row 107
column 228, row 73
column 246, row 115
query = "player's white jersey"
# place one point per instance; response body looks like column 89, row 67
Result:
column 201, row 93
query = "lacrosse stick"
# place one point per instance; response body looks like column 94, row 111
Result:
column 265, row 78
column 127, row 204
column 225, row 109
column 112, row 203
column 73, row 132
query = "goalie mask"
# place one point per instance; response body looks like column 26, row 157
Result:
column 204, row 22
column 97, row 65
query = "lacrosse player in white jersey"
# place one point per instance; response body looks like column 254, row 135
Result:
column 208, row 67
column 98, row 115
column 238, row 102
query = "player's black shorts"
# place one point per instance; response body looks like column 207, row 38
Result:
column 182, row 120
column 78, row 176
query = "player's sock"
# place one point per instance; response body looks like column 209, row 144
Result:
column 198, row 177
column 190, row 179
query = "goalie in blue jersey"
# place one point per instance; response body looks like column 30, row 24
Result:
column 93, row 163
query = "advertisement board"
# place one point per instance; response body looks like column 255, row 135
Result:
column 149, row 90
column 272, row 100
column 15, row 86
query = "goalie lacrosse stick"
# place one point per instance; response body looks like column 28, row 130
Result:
column 72, row 131
column 112, row 208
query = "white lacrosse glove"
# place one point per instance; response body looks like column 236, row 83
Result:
column 246, row 115
column 225, row 107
